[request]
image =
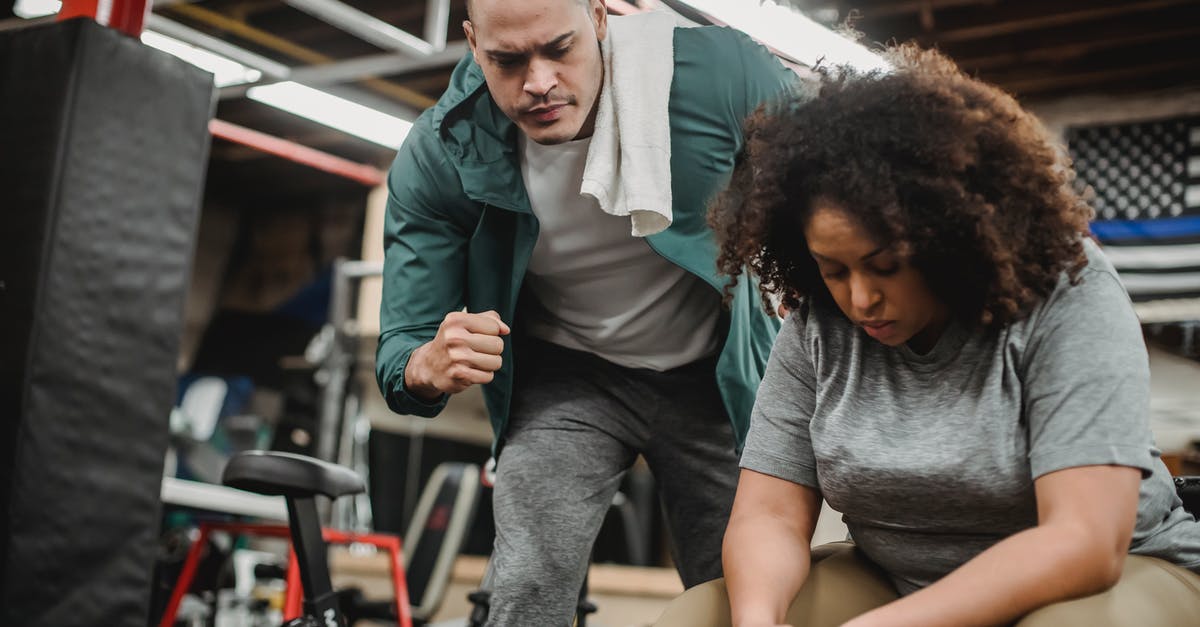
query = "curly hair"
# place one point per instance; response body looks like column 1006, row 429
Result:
column 922, row 154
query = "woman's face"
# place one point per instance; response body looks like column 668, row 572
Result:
column 873, row 283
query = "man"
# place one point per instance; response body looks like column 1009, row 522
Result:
column 593, row 346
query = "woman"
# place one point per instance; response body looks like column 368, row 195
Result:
column 961, row 375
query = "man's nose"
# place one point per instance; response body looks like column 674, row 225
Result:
column 541, row 78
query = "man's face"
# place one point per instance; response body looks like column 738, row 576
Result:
column 541, row 59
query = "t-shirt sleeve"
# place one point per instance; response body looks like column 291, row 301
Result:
column 779, row 443
column 1087, row 380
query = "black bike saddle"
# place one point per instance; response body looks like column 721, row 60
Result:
column 288, row 474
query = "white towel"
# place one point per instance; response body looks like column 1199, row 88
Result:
column 628, row 168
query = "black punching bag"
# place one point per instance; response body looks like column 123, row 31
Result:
column 103, row 147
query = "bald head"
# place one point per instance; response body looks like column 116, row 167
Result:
column 470, row 9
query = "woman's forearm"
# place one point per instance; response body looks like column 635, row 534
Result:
column 1024, row 572
column 766, row 553
column 765, row 563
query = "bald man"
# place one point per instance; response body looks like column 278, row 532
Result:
column 593, row 346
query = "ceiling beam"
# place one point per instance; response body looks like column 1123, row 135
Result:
column 1074, row 50
column 976, row 23
column 270, row 68
column 364, row 26
column 1038, row 17
column 273, row 42
column 910, row 7
column 437, row 23
column 391, row 64
column 1054, row 81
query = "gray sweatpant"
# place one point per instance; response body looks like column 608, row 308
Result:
column 577, row 424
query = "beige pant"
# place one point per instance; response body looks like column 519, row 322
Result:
column 843, row 584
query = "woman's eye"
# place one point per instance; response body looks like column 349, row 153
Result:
column 888, row 270
column 833, row 275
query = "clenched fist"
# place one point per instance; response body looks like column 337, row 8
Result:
column 466, row 351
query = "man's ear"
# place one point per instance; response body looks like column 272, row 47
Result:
column 469, row 31
column 600, row 17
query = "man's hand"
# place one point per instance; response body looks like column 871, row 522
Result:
column 466, row 351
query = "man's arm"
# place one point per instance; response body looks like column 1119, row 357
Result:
column 428, row 349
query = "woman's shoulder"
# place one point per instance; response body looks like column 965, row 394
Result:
column 1095, row 291
column 1094, row 308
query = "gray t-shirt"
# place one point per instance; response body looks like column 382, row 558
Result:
column 931, row 458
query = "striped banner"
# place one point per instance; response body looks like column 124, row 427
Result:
column 1143, row 179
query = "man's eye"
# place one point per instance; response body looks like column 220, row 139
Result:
column 506, row 63
column 558, row 52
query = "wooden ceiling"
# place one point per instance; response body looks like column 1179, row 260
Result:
column 1035, row 49
column 1040, row 49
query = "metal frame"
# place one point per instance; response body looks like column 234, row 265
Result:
column 293, row 599
column 367, row 27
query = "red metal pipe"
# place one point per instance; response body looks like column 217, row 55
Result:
column 294, row 595
column 365, row 174
column 127, row 16
column 184, row 583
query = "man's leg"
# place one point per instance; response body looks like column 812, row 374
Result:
column 568, row 443
column 691, row 453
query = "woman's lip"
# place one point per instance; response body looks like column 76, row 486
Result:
column 880, row 330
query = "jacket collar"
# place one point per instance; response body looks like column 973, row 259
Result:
column 480, row 140
column 467, row 102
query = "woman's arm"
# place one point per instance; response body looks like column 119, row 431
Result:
column 766, row 548
column 1085, row 521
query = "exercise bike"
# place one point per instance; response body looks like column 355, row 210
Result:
column 432, row 541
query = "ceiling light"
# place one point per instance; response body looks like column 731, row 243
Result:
column 790, row 33
column 325, row 108
column 225, row 71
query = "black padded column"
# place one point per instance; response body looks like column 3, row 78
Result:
column 103, row 146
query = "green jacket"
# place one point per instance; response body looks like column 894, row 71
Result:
column 460, row 231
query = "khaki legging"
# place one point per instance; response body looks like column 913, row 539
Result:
column 843, row 584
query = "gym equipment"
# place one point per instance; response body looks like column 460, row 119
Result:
column 432, row 542
column 104, row 147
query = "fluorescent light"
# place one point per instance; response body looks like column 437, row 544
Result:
column 325, row 108
column 790, row 32
column 225, row 71
column 30, row 9
column 306, row 102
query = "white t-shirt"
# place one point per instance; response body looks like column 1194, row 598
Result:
column 601, row 289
